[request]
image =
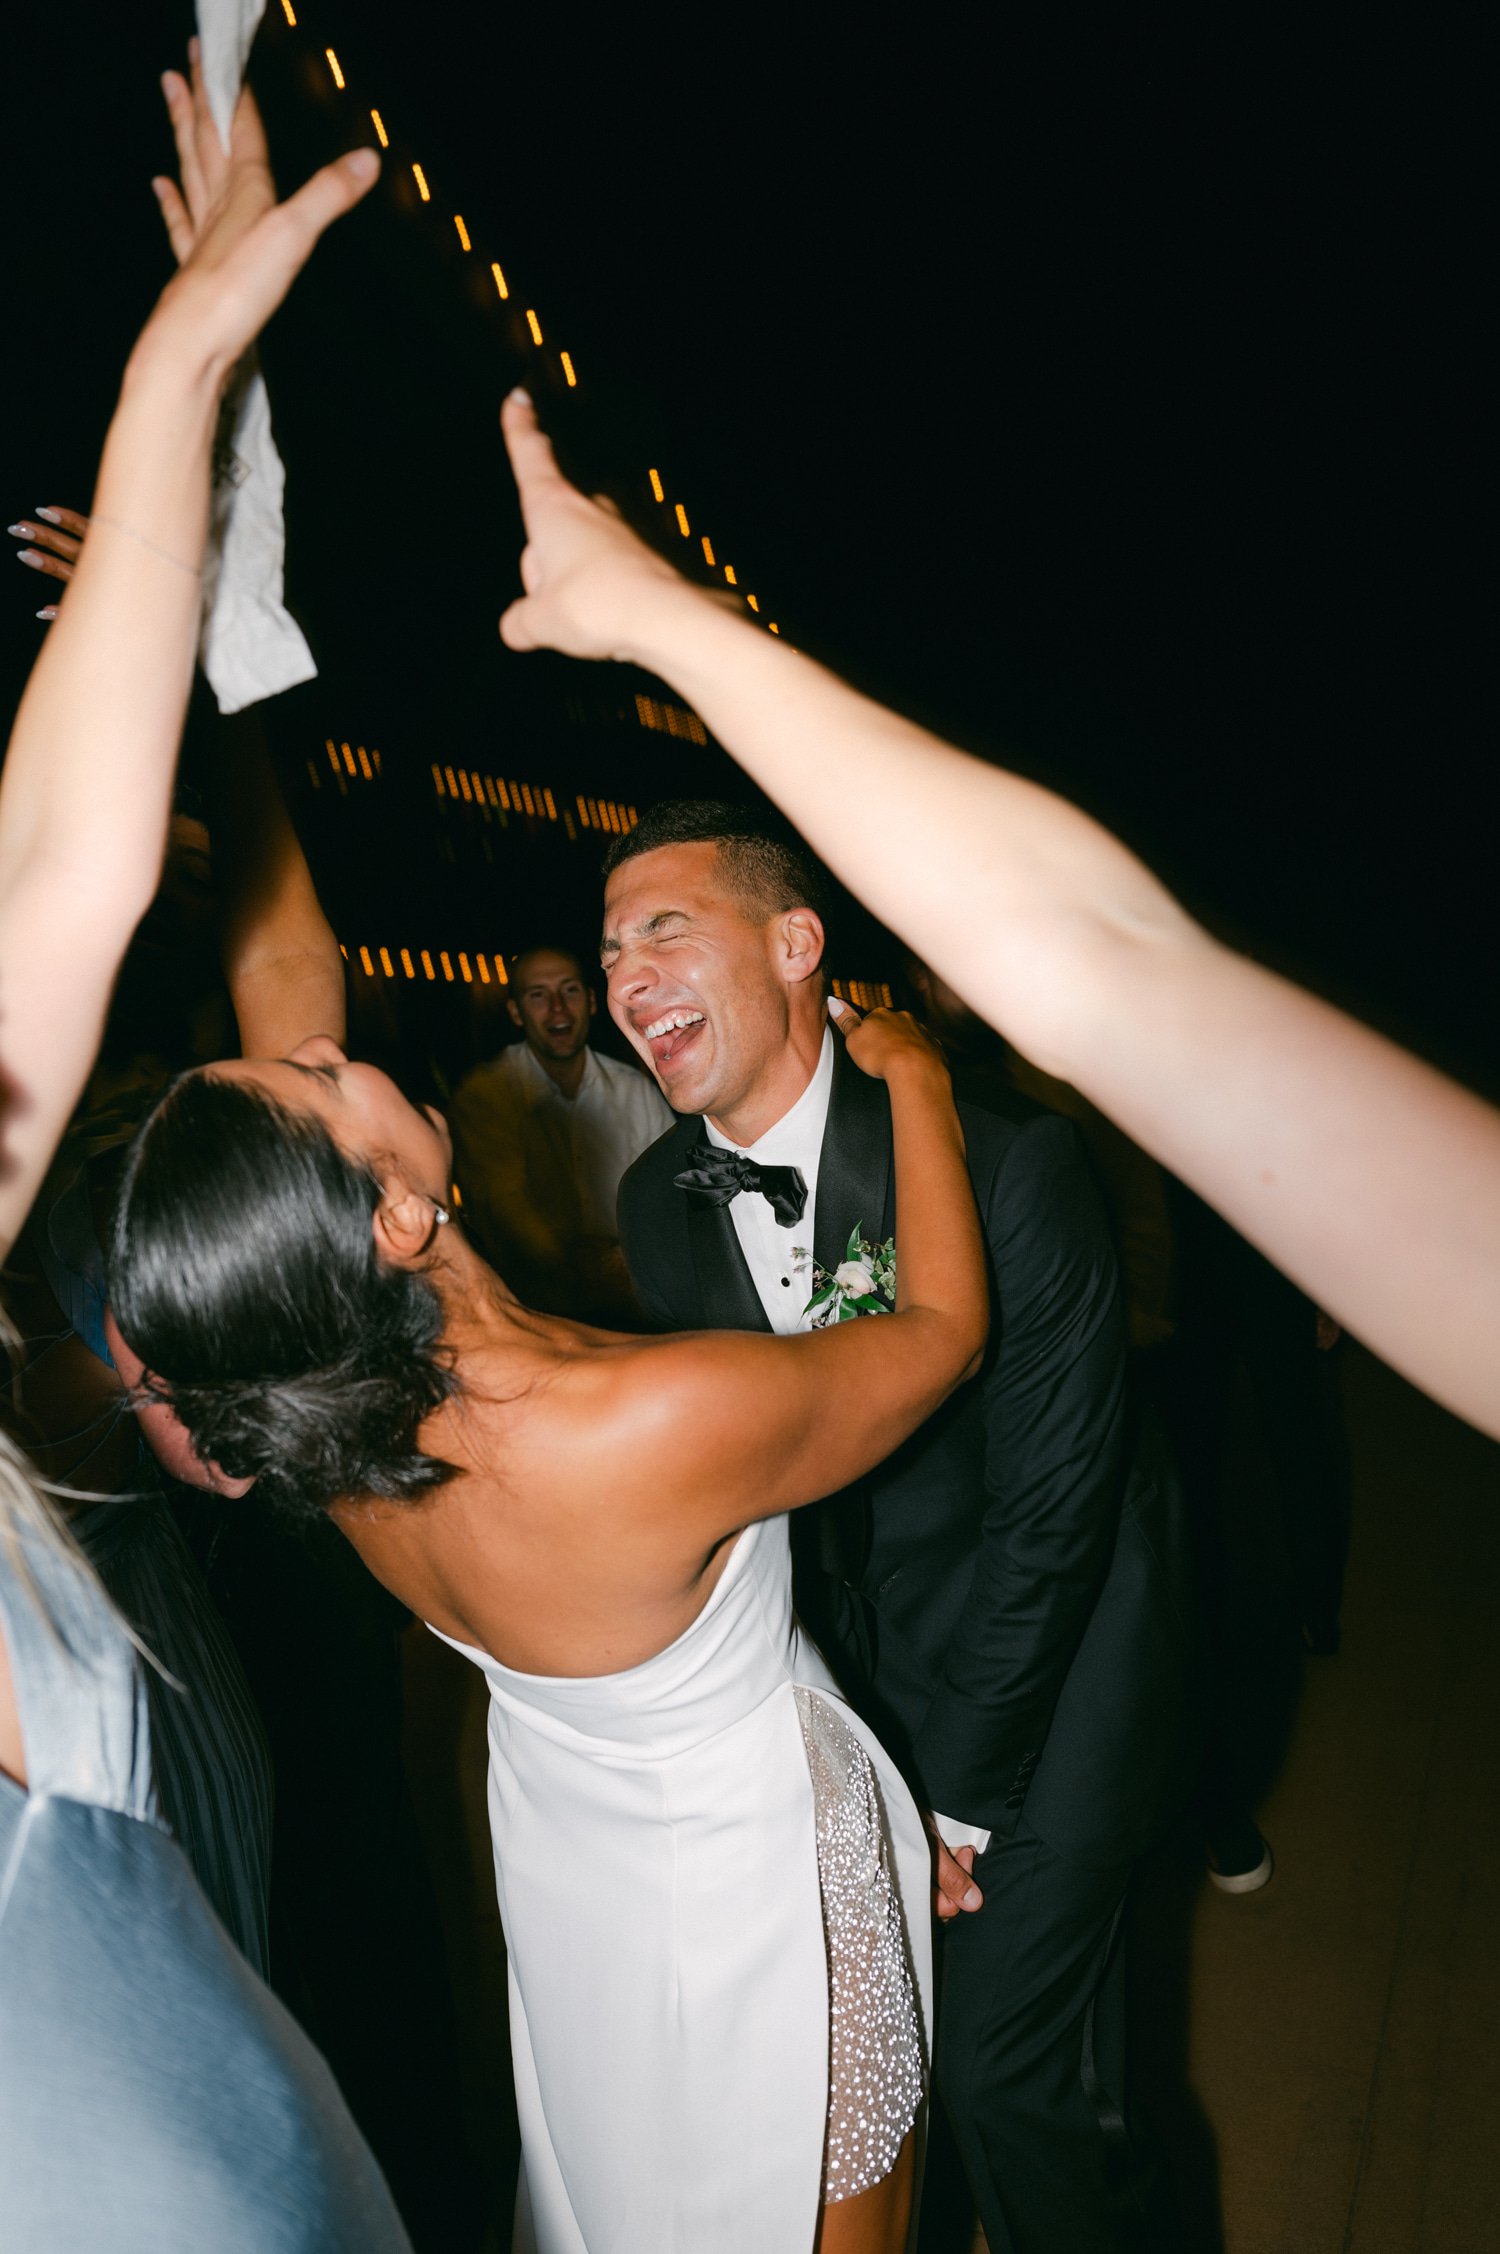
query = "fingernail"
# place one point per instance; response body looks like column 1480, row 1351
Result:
column 973, row 1900
column 29, row 556
column 51, row 515
column 836, row 1008
column 49, row 612
column 22, row 531
column 363, row 163
column 522, row 394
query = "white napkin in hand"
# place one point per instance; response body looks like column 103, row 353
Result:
column 251, row 647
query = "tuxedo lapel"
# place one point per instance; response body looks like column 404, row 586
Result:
column 725, row 1284
column 854, row 1171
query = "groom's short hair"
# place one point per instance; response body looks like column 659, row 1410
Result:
column 768, row 869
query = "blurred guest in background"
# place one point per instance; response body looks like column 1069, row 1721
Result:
column 541, row 1138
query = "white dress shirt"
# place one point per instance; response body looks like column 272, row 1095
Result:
column 780, row 1259
column 519, row 1136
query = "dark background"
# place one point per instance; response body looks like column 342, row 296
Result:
column 1097, row 389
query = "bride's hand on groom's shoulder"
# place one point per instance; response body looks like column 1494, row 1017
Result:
column 884, row 1043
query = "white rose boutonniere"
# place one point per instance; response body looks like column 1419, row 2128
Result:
column 863, row 1283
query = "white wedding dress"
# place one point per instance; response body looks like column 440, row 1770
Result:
column 707, row 1934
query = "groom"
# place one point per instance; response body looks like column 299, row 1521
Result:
column 1002, row 1598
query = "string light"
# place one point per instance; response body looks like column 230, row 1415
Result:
column 772, row 626
column 708, row 551
column 427, row 964
column 385, row 962
column 463, row 964
column 369, row 967
column 406, row 963
column 447, row 966
column 682, row 523
column 503, row 290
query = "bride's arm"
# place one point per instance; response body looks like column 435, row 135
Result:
column 88, row 775
column 1369, row 1178
column 730, row 1426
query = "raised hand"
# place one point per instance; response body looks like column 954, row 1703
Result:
column 238, row 250
column 583, row 568
column 56, row 539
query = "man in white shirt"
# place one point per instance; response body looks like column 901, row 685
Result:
column 1000, row 1600
column 542, row 1135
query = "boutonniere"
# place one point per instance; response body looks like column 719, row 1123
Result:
column 863, row 1283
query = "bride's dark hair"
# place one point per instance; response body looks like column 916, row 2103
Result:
column 243, row 1271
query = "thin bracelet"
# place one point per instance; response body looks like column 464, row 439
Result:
column 193, row 572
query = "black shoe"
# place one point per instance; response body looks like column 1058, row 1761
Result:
column 1239, row 1859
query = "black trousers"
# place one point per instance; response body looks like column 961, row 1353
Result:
column 1031, row 2060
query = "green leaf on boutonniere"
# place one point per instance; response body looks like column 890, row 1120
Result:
column 855, row 1246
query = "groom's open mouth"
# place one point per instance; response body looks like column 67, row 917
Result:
column 670, row 1035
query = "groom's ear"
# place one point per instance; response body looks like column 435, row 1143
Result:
column 800, row 944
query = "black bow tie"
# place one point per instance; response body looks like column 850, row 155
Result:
column 719, row 1175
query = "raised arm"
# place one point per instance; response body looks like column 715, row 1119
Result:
column 88, row 776
column 737, row 1426
column 281, row 961
column 1363, row 1174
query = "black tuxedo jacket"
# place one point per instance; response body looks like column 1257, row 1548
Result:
column 1005, row 1597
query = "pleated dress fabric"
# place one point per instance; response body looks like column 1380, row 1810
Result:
column 155, row 2098
column 657, row 1842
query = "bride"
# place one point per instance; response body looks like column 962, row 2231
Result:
column 712, row 1881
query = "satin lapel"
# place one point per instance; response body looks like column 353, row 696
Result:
column 725, row 1284
column 854, row 1172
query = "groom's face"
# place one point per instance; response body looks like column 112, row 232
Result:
column 696, row 984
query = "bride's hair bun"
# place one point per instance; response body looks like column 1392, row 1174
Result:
column 244, row 1272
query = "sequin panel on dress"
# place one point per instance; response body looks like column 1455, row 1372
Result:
column 875, row 2042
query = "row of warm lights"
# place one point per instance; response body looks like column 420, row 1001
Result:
column 670, row 719
column 659, row 493
column 434, row 965
column 474, row 789
column 570, row 374
column 865, row 994
column 534, row 325
column 485, row 791
column 345, row 760
column 862, row 993
column 478, row 790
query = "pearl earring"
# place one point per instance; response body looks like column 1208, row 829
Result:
column 440, row 1213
